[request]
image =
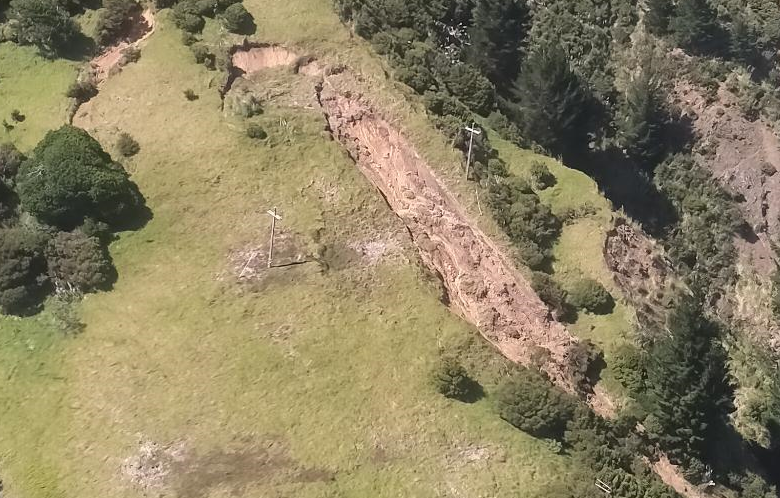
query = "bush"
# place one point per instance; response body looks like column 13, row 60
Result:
column 10, row 160
column 533, row 405
column 530, row 253
column 589, row 295
column 131, row 54
column 549, row 291
column 451, row 380
column 540, row 176
column 256, row 131
column 237, row 19
column 190, row 94
column 82, row 90
column 201, row 53
column 188, row 38
column 70, row 177
column 78, row 263
column 17, row 116
column 126, row 145
column 22, row 271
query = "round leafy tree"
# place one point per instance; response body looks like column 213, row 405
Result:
column 10, row 160
column 78, row 262
column 533, row 405
column 70, row 177
column 43, row 23
column 237, row 19
column 22, row 271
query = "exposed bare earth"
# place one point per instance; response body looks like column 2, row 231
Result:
column 253, row 59
column 483, row 285
column 745, row 157
column 112, row 57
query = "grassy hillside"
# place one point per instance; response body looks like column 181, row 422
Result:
column 305, row 383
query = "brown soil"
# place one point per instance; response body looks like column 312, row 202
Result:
column 670, row 474
column 112, row 58
column 253, row 59
column 483, row 285
column 641, row 271
column 745, row 157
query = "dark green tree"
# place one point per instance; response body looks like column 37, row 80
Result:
column 742, row 42
column 43, row 23
column 657, row 16
column 549, row 103
column 78, row 262
column 237, row 19
column 69, row 177
column 497, row 33
column 640, row 121
column 22, row 271
column 10, row 160
column 685, row 383
column 695, row 26
column 451, row 379
column 530, row 403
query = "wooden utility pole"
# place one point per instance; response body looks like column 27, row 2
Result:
column 274, row 217
column 473, row 130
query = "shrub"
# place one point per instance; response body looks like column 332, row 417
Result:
column 22, row 271
column 17, row 116
column 589, row 295
column 70, row 177
column 131, row 54
column 451, row 380
column 530, row 253
column 78, row 263
column 43, row 23
column 533, row 405
column 82, row 90
column 201, row 52
column 188, row 38
column 256, row 131
column 540, row 176
column 237, row 19
column 126, row 145
column 549, row 291
column 10, row 160
column 190, row 94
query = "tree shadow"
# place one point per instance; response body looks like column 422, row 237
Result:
column 80, row 49
column 474, row 391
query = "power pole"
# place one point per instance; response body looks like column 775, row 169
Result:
column 274, row 217
column 474, row 131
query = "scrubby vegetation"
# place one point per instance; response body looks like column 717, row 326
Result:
column 589, row 295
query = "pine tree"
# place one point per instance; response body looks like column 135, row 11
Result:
column 640, row 121
column 549, row 102
column 741, row 42
column 695, row 26
column 685, row 380
column 497, row 32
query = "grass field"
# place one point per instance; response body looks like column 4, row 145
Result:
column 308, row 382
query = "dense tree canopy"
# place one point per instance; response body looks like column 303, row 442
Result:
column 497, row 32
column 43, row 23
column 69, row 178
column 22, row 270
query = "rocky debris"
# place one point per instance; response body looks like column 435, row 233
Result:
column 149, row 468
column 482, row 283
column 641, row 271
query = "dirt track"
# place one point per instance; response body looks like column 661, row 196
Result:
column 483, row 285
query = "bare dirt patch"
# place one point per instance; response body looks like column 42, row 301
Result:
column 250, row 59
column 483, row 285
column 113, row 57
column 156, row 468
column 744, row 156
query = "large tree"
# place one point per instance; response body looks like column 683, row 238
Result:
column 69, row 177
column 43, row 23
column 549, row 102
column 22, row 271
column 685, row 381
column 497, row 32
